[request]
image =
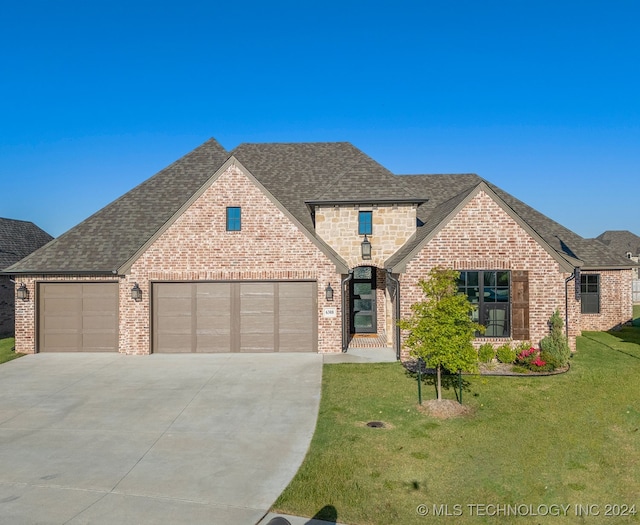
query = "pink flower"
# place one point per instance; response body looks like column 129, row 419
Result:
column 538, row 362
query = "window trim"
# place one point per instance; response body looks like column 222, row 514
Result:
column 365, row 227
column 234, row 224
column 482, row 312
column 584, row 284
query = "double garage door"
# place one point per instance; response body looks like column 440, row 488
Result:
column 187, row 317
column 235, row 317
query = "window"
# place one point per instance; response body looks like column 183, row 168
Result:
column 590, row 293
column 365, row 222
column 489, row 291
column 234, row 223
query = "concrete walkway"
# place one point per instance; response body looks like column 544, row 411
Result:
column 198, row 439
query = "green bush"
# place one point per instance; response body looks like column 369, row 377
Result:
column 555, row 347
column 506, row 354
column 486, row 353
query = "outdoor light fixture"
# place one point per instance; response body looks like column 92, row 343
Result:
column 136, row 293
column 23, row 292
column 328, row 292
column 366, row 249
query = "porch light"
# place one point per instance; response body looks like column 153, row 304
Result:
column 366, row 249
column 136, row 293
column 23, row 292
column 328, row 292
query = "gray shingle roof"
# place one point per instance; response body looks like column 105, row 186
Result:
column 109, row 238
column 447, row 191
column 296, row 175
column 18, row 239
column 315, row 172
column 621, row 242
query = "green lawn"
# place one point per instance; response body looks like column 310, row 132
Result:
column 571, row 439
column 6, row 350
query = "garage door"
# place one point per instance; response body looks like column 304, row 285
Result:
column 235, row 317
column 78, row 317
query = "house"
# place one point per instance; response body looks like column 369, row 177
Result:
column 623, row 242
column 17, row 240
column 310, row 247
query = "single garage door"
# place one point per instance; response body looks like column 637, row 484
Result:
column 78, row 317
column 235, row 317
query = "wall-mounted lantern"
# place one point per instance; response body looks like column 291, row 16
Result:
column 136, row 293
column 366, row 249
column 23, row 292
column 328, row 292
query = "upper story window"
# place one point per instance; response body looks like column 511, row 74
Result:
column 234, row 219
column 365, row 223
column 590, row 293
column 490, row 292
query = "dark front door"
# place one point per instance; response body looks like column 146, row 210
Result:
column 363, row 300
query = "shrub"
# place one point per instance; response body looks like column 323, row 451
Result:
column 532, row 359
column 486, row 353
column 506, row 354
column 555, row 347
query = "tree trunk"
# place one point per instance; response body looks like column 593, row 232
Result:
column 438, row 384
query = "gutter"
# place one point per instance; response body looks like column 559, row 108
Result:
column 343, row 296
column 574, row 275
column 396, row 309
column 63, row 272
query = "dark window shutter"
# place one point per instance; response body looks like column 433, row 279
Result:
column 520, row 305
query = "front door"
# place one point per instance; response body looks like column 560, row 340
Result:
column 363, row 300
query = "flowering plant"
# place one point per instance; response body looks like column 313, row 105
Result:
column 530, row 358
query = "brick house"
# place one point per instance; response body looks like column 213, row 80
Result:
column 304, row 247
column 17, row 240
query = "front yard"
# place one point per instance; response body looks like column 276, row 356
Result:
column 6, row 350
column 534, row 450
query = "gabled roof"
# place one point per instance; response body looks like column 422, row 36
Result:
column 110, row 237
column 449, row 192
column 621, row 241
column 18, row 239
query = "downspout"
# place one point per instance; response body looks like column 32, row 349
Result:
column 396, row 308
column 343, row 296
column 566, row 302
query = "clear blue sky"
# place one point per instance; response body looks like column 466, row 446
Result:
column 540, row 97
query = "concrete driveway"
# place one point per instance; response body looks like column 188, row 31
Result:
column 198, row 439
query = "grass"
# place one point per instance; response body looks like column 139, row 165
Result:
column 571, row 439
column 6, row 350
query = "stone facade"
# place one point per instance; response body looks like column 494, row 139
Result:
column 392, row 227
column 482, row 236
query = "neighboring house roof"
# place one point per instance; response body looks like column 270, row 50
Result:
column 18, row 239
column 621, row 242
column 296, row 176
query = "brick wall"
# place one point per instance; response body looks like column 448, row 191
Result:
column 198, row 247
column 482, row 236
column 616, row 304
column 392, row 226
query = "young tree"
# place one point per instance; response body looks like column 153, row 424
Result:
column 440, row 328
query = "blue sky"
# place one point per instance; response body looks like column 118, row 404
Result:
column 541, row 97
